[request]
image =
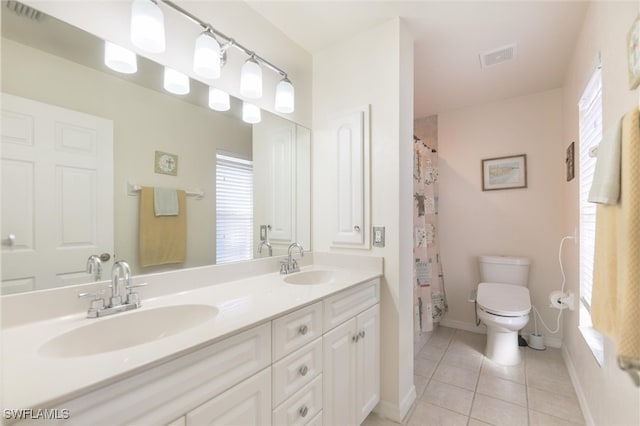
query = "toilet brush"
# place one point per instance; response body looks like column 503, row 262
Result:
column 536, row 341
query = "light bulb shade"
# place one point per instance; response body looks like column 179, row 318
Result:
column 120, row 59
column 147, row 26
column 251, row 79
column 285, row 96
column 175, row 82
column 206, row 57
column 218, row 100
column 250, row 113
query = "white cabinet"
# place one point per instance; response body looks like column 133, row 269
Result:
column 350, row 158
column 247, row 403
column 352, row 369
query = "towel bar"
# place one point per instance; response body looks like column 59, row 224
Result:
column 133, row 190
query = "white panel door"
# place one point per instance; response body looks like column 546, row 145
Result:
column 339, row 394
column 368, row 361
column 57, row 193
column 248, row 403
column 350, row 182
column 274, row 158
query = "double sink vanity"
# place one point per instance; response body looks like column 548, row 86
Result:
column 227, row 344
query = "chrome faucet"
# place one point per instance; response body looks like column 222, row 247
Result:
column 94, row 267
column 268, row 244
column 291, row 265
column 119, row 301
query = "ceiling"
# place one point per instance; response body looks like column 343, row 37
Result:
column 449, row 36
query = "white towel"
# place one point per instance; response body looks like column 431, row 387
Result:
column 165, row 202
column 605, row 188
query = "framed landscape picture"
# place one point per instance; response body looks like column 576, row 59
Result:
column 504, row 172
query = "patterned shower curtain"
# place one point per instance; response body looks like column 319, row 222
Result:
column 429, row 294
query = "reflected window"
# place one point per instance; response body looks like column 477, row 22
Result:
column 234, row 208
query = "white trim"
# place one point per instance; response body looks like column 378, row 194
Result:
column 550, row 341
column 462, row 325
column 573, row 374
column 394, row 412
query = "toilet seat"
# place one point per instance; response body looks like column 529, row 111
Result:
column 503, row 300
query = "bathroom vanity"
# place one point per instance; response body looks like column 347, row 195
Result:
column 265, row 349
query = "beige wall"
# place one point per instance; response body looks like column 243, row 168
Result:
column 350, row 75
column 144, row 121
column 110, row 20
column 607, row 395
column 521, row 222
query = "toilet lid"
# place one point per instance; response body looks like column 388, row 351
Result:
column 504, row 299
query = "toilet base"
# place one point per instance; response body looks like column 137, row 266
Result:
column 502, row 347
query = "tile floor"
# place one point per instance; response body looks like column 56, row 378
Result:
column 457, row 385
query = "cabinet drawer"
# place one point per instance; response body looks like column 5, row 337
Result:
column 349, row 303
column 296, row 329
column 302, row 406
column 296, row 370
column 247, row 403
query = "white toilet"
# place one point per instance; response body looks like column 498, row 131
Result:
column 503, row 305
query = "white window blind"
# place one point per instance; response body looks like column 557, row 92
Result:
column 234, row 208
column 590, row 107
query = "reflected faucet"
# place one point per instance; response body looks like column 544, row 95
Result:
column 268, row 244
column 94, row 267
column 291, row 265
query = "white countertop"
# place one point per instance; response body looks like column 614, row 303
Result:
column 31, row 380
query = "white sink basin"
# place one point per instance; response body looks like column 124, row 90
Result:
column 310, row 277
column 126, row 329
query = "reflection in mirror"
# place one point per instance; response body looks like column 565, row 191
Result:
column 78, row 140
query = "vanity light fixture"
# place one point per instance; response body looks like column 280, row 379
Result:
column 120, row 59
column 251, row 79
column 175, row 82
column 285, row 96
column 210, row 44
column 250, row 113
column 218, row 99
column 206, row 57
column 147, row 26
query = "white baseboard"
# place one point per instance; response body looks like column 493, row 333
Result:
column 573, row 374
column 394, row 412
column 462, row 325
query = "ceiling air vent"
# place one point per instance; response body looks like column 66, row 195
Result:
column 497, row 56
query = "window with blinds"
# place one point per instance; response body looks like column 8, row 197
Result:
column 234, row 208
column 590, row 124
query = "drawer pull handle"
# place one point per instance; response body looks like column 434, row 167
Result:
column 362, row 334
column 355, row 338
column 303, row 370
column 303, row 329
column 303, row 411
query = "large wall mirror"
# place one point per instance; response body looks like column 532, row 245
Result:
column 78, row 140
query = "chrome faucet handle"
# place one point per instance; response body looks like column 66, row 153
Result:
column 97, row 304
column 132, row 297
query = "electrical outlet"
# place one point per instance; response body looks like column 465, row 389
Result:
column 378, row 236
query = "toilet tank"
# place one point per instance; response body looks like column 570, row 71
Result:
column 504, row 270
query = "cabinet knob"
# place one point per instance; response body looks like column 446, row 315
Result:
column 303, row 411
column 303, row 329
column 11, row 240
column 304, row 370
column 356, row 228
column 355, row 338
column 361, row 334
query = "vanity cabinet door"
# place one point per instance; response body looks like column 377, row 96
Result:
column 247, row 403
column 339, row 357
column 368, row 362
column 349, row 181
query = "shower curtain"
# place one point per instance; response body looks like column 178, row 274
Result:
column 430, row 301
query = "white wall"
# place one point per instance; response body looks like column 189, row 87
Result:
column 350, row 75
column 110, row 20
column 607, row 394
column 171, row 125
column 521, row 222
